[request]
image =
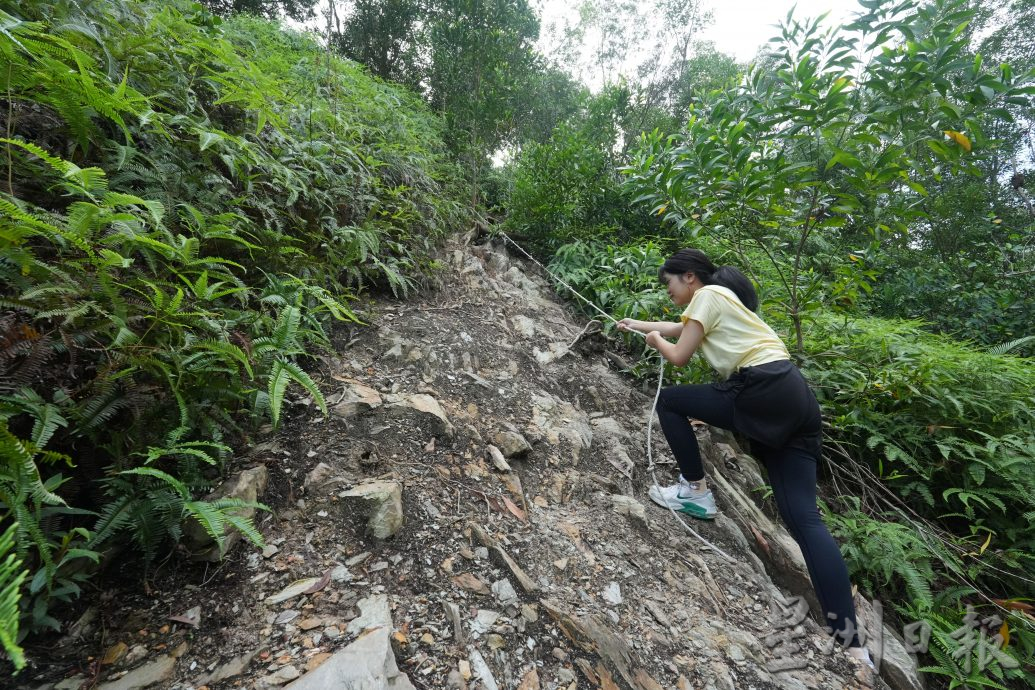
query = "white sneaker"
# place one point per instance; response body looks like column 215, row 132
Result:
column 685, row 497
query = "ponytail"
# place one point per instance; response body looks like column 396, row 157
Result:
column 732, row 278
column 695, row 261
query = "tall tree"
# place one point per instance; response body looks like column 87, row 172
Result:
column 388, row 36
column 481, row 52
column 299, row 10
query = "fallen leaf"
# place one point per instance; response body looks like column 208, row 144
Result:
column 512, row 507
column 114, row 654
column 761, row 540
column 320, row 584
column 191, row 617
column 1014, row 605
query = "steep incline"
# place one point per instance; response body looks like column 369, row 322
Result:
column 504, row 465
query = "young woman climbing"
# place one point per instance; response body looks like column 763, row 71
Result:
column 764, row 397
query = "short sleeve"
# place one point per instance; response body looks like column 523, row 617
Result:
column 704, row 308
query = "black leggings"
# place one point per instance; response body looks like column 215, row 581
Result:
column 792, row 475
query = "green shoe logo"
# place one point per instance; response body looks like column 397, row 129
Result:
column 696, row 511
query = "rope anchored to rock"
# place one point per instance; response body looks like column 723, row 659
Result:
column 657, row 393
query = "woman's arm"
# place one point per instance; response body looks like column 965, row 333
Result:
column 668, row 329
column 679, row 352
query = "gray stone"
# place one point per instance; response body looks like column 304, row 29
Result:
column 403, row 349
column 317, row 476
column 381, row 503
column 498, row 461
column 454, row 680
column 247, row 485
column 484, row 619
column 157, row 671
column 372, row 612
column 427, row 409
column 367, row 663
column 135, row 654
column 282, row 675
column 285, row 617
column 356, row 399
column 453, row 615
column 613, row 594
column 501, row 556
column 481, row 670
column 293, row 590
column 897, row 667
column 590, row 634
column 512, row 444
column 504, row 592
column 524, row 326
column 552, row 353
column 234, row 667
column 560, row 422
column 609, row 427
column 627, row 505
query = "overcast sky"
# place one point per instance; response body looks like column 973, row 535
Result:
column 739, row 26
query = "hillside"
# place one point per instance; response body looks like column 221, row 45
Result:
column 543, row 565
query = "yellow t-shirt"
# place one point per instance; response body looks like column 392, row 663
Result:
column 734, row 336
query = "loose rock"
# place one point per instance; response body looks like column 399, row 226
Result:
column 381, row 503
column 248, row 486
column 152, row 673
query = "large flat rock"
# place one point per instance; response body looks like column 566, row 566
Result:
column 366, row 664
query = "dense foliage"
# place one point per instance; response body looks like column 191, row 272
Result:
column 186, row 206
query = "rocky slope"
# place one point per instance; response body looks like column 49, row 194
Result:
column 473, row 513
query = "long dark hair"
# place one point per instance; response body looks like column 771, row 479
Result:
column 695, row 261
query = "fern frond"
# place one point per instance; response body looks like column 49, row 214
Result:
column 1010, row 346
column 211, row 518
column 12, row 575
column 281, row 373
column 172, row 481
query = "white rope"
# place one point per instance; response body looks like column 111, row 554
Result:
column 654, row 405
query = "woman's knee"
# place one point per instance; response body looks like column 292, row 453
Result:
column 666, row 396
column 799, row 518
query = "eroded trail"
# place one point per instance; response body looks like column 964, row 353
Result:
column 473, row 513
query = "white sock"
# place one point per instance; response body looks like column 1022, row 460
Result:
column 862, row 654
column 693, row 488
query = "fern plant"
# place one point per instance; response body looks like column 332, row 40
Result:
column 12, row 576
column 55, row 556
column 159, row 505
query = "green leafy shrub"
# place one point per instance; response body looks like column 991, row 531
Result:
column 187, row 206
column 568, row 187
